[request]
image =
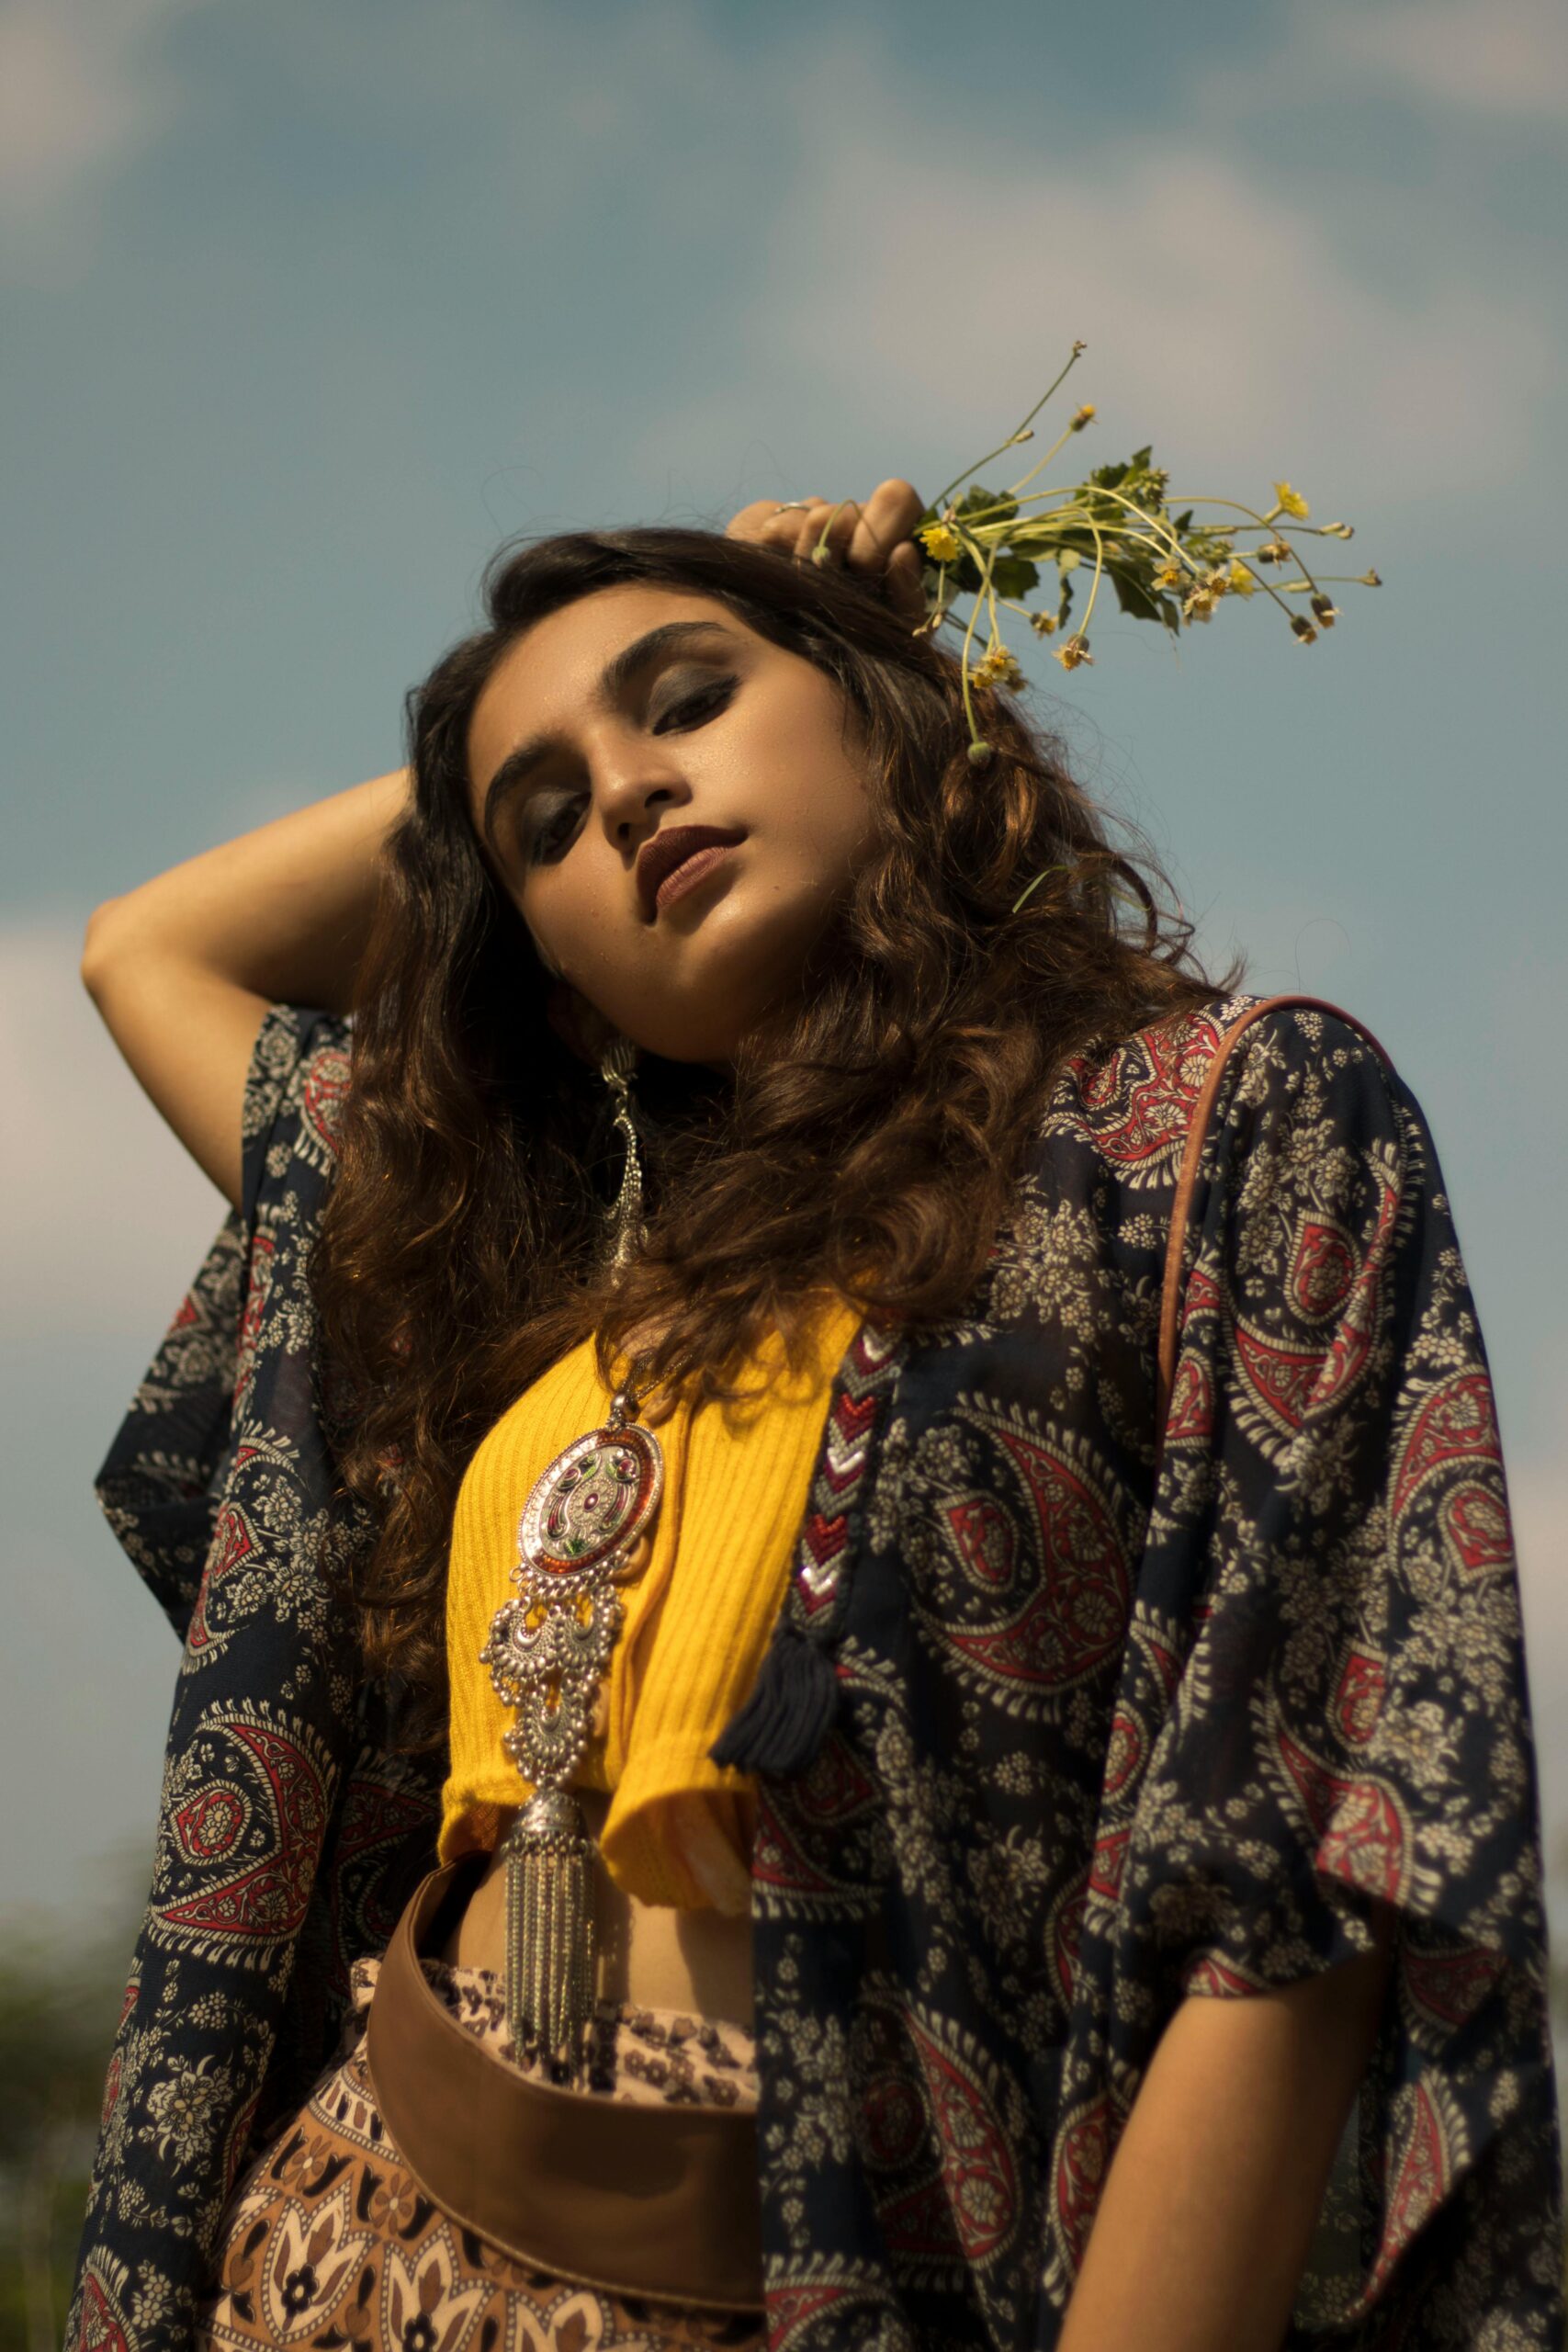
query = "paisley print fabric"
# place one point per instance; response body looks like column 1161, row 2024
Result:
column 330, row 2242
column 1103, row 1736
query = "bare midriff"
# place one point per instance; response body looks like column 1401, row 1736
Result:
column 650, row 1955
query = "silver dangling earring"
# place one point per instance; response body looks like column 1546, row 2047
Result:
column 625, row 1214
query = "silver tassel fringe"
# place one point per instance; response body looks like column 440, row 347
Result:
column 549, row 1931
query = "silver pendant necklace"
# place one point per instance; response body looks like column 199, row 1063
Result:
column 547, row 1648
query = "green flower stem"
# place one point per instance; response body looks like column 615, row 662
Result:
column 1082, row 629
column 1015, row 488
column 1030, row 888
column 969, row 472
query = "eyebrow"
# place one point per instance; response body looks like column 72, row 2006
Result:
column 613, row 679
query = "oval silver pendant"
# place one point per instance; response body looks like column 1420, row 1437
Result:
column 593, row 1501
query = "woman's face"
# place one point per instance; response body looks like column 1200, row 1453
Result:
column 675, row 804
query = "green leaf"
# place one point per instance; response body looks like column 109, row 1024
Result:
column 1132, row 597
column 996, row 505
column 1014, row 575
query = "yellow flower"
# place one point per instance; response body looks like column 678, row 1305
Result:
column 1291, row 501
column 1074, row 650
column 997, row 668
column 1241, row 579
column 1200, row 604
column 1043, row 624
column 940, row 540
column 1172, row 573
column 1085, row 415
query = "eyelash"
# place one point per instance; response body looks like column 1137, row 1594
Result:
column 545, row 845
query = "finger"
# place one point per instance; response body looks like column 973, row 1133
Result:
column 904, row 585
column 888, row 516
column 794, row 529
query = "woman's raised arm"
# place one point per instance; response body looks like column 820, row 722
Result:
column 183, row 968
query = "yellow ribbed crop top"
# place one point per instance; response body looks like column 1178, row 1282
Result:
column 678, row 1827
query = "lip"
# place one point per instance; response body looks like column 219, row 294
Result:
column 662, row 862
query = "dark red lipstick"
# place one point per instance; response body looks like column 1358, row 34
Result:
column 671, row 851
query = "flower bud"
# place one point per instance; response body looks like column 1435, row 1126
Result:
column 979, row 754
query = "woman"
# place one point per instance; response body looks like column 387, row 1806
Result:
column 1020, row 1801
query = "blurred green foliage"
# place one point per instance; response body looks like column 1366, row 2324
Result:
column 60, row 1986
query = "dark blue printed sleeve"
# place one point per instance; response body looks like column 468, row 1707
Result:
column 219, row 1485
column 1349, row 1730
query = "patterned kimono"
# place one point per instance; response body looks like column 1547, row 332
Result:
column 1055, row 1731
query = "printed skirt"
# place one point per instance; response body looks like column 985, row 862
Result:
column 330, row 2242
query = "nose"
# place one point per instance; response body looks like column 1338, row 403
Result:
column 634, row 780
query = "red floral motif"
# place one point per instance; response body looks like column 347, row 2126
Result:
column 1358, row 1699
column 1324, row 1269
column 1192, row 1413
column 1124, row 1755
column 233, row 1542
column 325, row 1092
column 102, row 2328
column 793, row 2311
column 1360, row 1835
column 1109, row 1860
column 1352, row 1341
column 1480, row 1537
column 1457, row 1423
column 209, row 1823
column 1209, row 1977
column 1083, row 2158
column 1447, row 1987
column 923, row 2115
column 984, row 1537
column 777, row 1860
column 267, row 1899
column 836, row 1786
column 1420, row 2182
column 1078, row 1616
column 258, row 1290
column 1201, row 1297
column 979, row 2173
column 1283, row 1379
column 1157, row 1107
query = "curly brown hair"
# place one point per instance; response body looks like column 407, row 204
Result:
column 867, row 1144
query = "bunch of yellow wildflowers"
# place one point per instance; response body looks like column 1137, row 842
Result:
column 993, row 547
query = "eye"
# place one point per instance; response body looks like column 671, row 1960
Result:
column 550, row 832
column 692, row 708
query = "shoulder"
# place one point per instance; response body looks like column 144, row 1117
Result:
column 1236, row 1062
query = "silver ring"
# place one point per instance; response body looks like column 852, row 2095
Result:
column 790, row 504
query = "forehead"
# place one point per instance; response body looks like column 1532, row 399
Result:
column 545, row 679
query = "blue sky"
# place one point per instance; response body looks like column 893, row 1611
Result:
column 306, row 308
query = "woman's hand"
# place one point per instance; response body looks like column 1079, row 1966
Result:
column 873, row 538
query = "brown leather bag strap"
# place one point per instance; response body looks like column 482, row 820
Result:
column 1187, row 1181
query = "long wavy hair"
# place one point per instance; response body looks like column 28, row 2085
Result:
column 866, row 1144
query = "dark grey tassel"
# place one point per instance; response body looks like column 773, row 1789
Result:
column 789, row 1712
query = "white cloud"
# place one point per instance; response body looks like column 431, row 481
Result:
column 105, row 1217
column 1235, row 320
column 1504, row 58
column 82, row 89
